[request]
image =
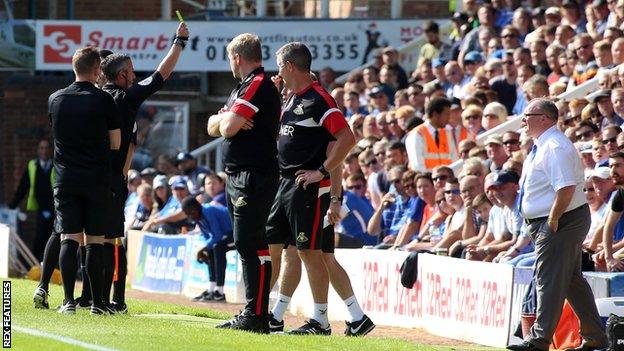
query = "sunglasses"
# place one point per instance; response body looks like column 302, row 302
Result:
column 582, row 47
column 452, row 192
column 440, row 178
column 440, row 201
column 587, row 134
column 511, row 142
column 356, row 187
column 588, row 190
column 607, row 141
column 473, row 117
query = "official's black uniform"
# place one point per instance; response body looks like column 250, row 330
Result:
column 250, row 159
column 81, row 116
column 128, row 102
column 309, row 121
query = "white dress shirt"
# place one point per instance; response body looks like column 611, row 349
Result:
column 415, row 146
column 555, row 165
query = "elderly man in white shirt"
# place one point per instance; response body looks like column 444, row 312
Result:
column 552, row 202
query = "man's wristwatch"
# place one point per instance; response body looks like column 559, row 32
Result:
column 323, row 171
column 335, row 199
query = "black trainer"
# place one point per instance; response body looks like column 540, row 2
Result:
column 204, row 296
column 118, row 308
column 68, row 307
column 217, row 296
column 360, row 328
column 275, row 326
column 99, row 310
column 227, row 324
column 81, row 302
column 311, row 327
column 40, row 298
column 248, row 321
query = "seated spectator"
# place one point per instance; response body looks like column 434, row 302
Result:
column 600, row 155
column 421, row 208
column 147, row 175
column 605, row 107
column 473, row 229
column 214, row 185
column 602, row 54
column 169, row 218
column 132, row 201
column 474, row 166
column 495, row 152
column 586, row 68
column 598, row 209
column 390, row 216
column 586, row 131
column 432, row 231
column 609, row 138
column 440, row 175
column 471, row 120
column 338, row 94
column 511, row 142
column 494, row 114
column 187, row 165
column 352, row 104
column 464, row 148
column 394, row 129
column 137, row 219
column 216, row 227
column 352, row 230
column 455, row 222
column 380, row 99
column 165, row 164
column 390, row 57
column 587, row 157
column 612, row 235
column 401, row 98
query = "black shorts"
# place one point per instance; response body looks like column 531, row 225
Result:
column 298, row 216
column 117, row 209
column 81, row 209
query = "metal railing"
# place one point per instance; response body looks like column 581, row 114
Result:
column 205, row 155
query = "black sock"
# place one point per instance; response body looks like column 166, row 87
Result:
column 50, row 259
column 108, row 262
column 86, row 287
column 68, row 262
column 119, row 293
column 94, row 271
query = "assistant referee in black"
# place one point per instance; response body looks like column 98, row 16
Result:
column 86, row 126
column 249, row 122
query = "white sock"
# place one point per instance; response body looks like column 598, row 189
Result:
column 320, row 314
column 220, row 289
column 213, row 286
column 354, row 309
column 280, row 307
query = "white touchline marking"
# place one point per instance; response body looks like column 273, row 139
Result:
column 63, row 339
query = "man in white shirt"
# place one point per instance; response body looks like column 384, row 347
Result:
column 552, row 202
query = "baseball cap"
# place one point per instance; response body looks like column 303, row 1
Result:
column 149, row 171
column 473, row 56
column 377, row 89
column 133, row 175
column 506, row 176
column 455, row 103
column 489, row 181
column 553, row 10
column 178, row 182
column 600, row 94
column 600, row 172
column 538, row 12
column 159, row 181
column 437, row 62
column 460, row 17
column 493, row 139
column 389, row 49
column 584, row 147
column 183, row 156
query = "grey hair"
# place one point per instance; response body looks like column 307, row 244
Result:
column 547, row 107
column 113, row 64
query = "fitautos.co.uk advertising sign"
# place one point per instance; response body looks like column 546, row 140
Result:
column 340, row 44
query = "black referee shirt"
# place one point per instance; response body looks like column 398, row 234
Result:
column 255, row 98
column 128, row 102
column 309, row 121
column 81, row 116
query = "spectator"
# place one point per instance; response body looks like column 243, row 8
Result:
column 327, row 77
column 391, row 58
column 169, row 218
column 586, row 67
column 456, row 78
column 421, row 208
column 612, row 33
column 396, row 155
column 572, row 16
column 433, row 230
column 601, row 12
column 475, row 166
column 609, row 138
column 352, row 104
column 141, row 213
column 506, row 85
column 165, row 164
column 147, row 175
column 455, row 222
column 602, row 53
column 370, row 75
column 617, row 51
column 380, row 101
column 495, row 152
column 434, row 47
column 617, row 101
column 416, row 98
column 396, row 132
column 352, row 229
column 187, row 165
column 535, row 87
column 338, row 94
column 552, row 16
column 585, row 150
column 538, row 57
column 471, row 120
column 214, row 185
column 602, row 99
column 401, row 98
column 494, row 114
column 586, row 131
column 388, row 80
column 486, row 21
column 473, row 228
column 440, row 175
column 511, row 142
column 493, row 68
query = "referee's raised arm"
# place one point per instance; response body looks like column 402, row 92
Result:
column 167, row 65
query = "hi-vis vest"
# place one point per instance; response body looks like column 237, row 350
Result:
column 435, row 155
column 31, row 203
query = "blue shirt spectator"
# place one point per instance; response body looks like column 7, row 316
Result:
column 360, row 212
column 215, row 224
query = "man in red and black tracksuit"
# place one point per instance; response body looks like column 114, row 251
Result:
column 310, row 121
column 249, row 122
